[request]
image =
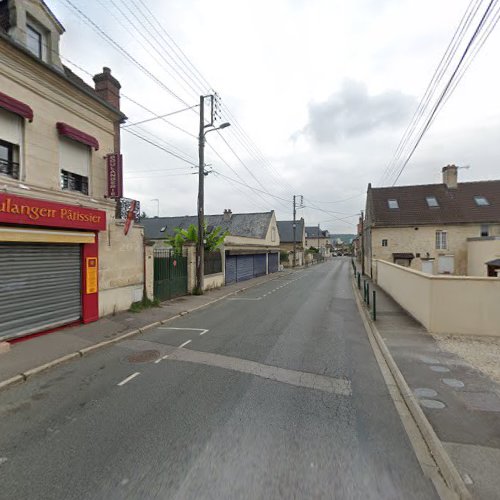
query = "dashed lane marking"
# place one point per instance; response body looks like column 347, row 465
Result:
column 128, row 379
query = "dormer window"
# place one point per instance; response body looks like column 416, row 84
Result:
column 393, row 204
column 481, row 201
column 432, row 201
column 34, row 41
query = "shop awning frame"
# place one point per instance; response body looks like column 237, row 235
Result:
column 16, row 107
column 77, row 135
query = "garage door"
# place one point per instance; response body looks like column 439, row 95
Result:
column 230, row 269
column 244, row 267
column 259, row 265
column 273, row 262
column 40, row 287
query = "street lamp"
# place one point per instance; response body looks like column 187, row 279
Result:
column 200, row 248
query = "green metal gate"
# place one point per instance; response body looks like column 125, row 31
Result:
column 170, row 274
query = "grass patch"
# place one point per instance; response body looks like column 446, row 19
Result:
column 144, row 304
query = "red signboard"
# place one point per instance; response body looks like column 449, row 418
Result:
column 115, row 175
column 35, row 212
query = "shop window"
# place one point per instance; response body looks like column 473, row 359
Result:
column 10, row 142
column 74, row 161
column 441, row 240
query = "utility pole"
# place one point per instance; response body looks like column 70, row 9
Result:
column 318, row 240
column 362, row 245
column 294, row 226
column 200, row 244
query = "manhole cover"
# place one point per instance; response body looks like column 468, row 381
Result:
column 424, row 392
column 429, row 360
column 143, row 356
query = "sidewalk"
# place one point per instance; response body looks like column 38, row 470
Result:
column 46, row 349
column 461, row 403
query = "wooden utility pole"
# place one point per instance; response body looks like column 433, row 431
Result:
column 294, row 232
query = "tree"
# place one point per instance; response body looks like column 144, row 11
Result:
column 213, row 239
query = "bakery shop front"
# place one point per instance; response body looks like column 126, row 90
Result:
column 49, row 264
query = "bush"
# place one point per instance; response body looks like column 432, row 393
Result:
column 143, row 304
column 283, row 256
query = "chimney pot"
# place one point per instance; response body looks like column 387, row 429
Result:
column 227, row 214
column 107, row 87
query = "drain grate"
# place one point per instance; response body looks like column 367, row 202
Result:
column 143, row 356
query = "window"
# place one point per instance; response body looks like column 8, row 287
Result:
column 432, row 201
column 441, row 240
column 393, row 204
column 10, row 142
column 74, row 161
column 34, row 41
column 481, row 201
column 384, row 243
column 485, row 230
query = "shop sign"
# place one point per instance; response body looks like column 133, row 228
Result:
column 115, row 175
column 35, row 212
column 91, row 275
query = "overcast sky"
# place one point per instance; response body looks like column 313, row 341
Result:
column 324, row 88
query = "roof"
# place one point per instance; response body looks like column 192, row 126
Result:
column 285, row 230
column 494, row 262
column 253, row 225
column 456, row 206
column 313, row 231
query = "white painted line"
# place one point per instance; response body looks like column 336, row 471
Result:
column 158, row 360
column 128, row 379
column 165, row 357
column 203, row 332
column 3, row 460
column 191, row 329
column 185, row 343
column 467, row 479
column 244, row 298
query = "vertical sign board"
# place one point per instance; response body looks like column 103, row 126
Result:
column 91, row 275
column 115, row 175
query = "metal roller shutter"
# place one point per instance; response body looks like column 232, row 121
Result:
column 230, row 269
column 244, row 267
column 40, row 287
column 259, row 264
column 273, row 262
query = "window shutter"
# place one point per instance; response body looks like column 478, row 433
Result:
column 10, row 127
column 74, row 157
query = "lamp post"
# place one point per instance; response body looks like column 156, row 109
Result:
column 200, row 248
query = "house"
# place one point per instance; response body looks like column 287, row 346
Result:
column 319, row 239
column 64, row 256
column 251, row 248
column 290, row 239
column 447, row 228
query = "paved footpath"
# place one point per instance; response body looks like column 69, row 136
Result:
column 461, row 403
column 271, row 393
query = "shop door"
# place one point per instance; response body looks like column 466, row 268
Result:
column 230, row 269
column 259, row 265
column 40, row 287
column 273, row 262
column 244, row 267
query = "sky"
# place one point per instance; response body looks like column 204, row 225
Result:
column 318, row 94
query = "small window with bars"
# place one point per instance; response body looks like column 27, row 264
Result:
column 8, row 155
column 74, row 182
column 441, row 240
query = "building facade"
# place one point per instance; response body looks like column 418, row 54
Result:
column 64, row 255
column 432, row 228
column 289, row 241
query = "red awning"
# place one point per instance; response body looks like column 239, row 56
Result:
column 77, row 135
column 15, row 106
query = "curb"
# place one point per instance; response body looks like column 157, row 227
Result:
column 23, row 376
column 443, row 461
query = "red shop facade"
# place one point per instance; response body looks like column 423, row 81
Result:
column 49, row 262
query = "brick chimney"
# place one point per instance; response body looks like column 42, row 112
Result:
column 227, row 214
column 108, row 87
column 450, row 177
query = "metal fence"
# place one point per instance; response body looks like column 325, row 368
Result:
column 213, row 263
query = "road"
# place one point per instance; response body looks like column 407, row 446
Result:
column 275, row 393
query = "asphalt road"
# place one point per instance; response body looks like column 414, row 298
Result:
column 277, row 395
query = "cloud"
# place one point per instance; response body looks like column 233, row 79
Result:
column 352, row 112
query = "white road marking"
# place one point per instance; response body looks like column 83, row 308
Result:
column 185, row 343
column 190, row 329
column 3, row 460
column 128, row 379
column 467, row 479
column 158, row 360
column 165, row 357
column 244, row 298
column 203, row 332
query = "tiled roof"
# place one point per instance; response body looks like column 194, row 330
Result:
column 253, row 225
column 455, row 206
column 313, row 231
column 285, row 229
